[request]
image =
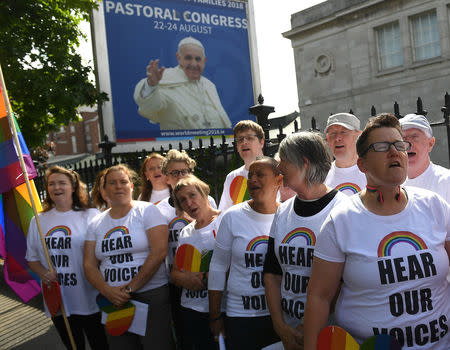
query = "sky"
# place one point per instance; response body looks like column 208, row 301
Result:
column 275, row 54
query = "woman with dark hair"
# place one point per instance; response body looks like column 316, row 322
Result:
column 191, row 195
column 154, row 186
column 390, row 247
column 241, row 245
column 124, row 252
column 98, row 194
column 304, row 163
column 64, row 223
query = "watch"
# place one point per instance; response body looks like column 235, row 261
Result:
column 128, row 289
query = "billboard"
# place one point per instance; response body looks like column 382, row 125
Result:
column 206, row 87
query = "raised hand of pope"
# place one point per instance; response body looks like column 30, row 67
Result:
column 154, row 73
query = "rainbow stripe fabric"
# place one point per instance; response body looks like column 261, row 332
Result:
column 15, row 210
column 10, row 170
column 16, row 216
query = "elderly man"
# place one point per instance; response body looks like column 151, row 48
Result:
column 342, row 131
column 421, row 171
column 180, row 97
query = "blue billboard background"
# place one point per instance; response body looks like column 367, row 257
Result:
column 139, row 31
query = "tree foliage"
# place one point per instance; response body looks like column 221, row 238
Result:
column 45, row 76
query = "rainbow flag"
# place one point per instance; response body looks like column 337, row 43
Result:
column 15, row 217
column 15, row 211
column 10, row 170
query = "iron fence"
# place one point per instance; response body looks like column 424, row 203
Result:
column 215, row 157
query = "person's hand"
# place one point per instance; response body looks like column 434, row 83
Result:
column 49, row 277
column 217, row 326
column 291, row 338
column 117, row 296
column 154, row 73
column 194, row 280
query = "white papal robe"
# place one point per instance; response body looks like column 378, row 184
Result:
column 179, row 103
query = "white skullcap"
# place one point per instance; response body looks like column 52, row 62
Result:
column 190, row 41
column 417, row 121
column 347, row 120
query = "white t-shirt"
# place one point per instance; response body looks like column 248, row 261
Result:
column 203, row 240
column 395, row 270
column 234, row 189
column 122, row 245
column 175, row 224
column 158, row 195
column 346, row 180
column 243, row 233
column 435, row 178
column 64, row 234
column 294, row 240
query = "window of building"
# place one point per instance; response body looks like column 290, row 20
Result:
column 425, row 33
column 389, row 44
column 74, row 145
column 72, row 128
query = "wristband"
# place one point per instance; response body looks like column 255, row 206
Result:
column 128, row 289
column 216, row 318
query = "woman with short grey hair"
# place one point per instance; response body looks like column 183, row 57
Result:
column 304, row 163
column 307, row 147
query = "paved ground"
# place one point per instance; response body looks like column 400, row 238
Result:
column 24, row 326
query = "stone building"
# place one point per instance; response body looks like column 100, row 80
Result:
column 352, row 54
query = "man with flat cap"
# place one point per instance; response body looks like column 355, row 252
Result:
column 342, row 131
column 180, row 97
column 421, row 171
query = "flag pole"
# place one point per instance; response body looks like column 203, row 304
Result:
column 30, row 193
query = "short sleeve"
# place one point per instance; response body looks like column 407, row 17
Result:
column 33, row 242
column 152, row 217
column 327, row 247
column 221, row 259
column 90, row 232
column 212, row 202
column 224, row 238
column 225, row 199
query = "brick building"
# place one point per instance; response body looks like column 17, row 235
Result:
column 77, row 138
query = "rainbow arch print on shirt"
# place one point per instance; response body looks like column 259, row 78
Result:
column 60, row 228
column 394, row 238
column 178, row 220
column 304, row 232
column 121, row 229
column 238, row 190
column 348, row 186
column 255, row 242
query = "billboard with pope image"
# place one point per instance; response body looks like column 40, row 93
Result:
column 197, row 94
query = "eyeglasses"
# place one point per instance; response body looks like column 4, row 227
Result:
column 385, row 146
column 248, row 138
column 182, row 172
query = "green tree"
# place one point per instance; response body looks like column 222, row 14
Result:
column 45, row 76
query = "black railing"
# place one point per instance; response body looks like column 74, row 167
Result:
column 216, row 159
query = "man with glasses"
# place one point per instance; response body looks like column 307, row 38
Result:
column 342, row 132
column 421, row 171
column 249, row 140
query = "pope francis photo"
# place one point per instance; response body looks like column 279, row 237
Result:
column 180, row 97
